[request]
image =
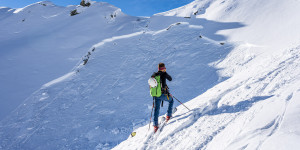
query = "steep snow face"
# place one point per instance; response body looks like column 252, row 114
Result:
column 257, row 107
column 269, row 24
column 42, row 42
column 102, row 100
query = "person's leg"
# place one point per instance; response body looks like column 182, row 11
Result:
column 170, row 108
column 156, row 110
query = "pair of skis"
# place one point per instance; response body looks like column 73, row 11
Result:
column 161, row 125
column 164, row 122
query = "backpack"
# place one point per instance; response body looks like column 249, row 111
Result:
column 155, row 86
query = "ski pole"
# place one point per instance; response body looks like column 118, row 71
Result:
column 180, row 102
column 151, row 114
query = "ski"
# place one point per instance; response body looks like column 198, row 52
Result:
column 161, row 125
column 165, row 122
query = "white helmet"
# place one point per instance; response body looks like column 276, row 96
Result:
column 152, row 82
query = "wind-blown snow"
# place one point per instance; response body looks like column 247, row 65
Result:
column 58, row 80
column 240, row 80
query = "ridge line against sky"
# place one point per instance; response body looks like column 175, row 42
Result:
column 130, row 7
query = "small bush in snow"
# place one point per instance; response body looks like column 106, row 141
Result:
column 74, row 12
column 113, row 16
column 42, row 4
column 82, row 3
column 86, row 58
column 195, row 13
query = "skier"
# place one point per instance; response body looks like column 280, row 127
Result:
column 165, row 96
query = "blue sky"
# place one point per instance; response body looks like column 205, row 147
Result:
column 130, row 7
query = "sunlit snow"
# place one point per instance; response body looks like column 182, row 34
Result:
column 80, row 82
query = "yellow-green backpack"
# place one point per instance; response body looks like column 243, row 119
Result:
column 156, row 91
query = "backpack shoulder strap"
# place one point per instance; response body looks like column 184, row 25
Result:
column 155, row 74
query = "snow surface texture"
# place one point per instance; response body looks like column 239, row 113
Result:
column 257, row 107
column 42, row 42
column 245, row 80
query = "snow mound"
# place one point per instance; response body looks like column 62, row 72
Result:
column 194, row 8
column 35, row 7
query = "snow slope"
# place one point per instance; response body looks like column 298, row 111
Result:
column 257, row 107
column 243, row 112
column 42, row 42
column 98, row 104
column 243, row 93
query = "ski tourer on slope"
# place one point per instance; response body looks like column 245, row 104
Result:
column 161, row 93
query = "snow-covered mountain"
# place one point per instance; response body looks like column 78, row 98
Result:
column 234, row 63
column 42, row 42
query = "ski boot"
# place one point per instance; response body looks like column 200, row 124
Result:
column 155, row 129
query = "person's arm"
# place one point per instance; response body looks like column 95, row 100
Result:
column 168, row 77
